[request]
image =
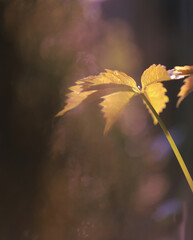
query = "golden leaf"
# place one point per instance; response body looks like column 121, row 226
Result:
column 155, row 73
column 185, row 89
column 109, row 77
column 157, row 97
column 153, row 89
column 184, row 70
column 112, row 106
column 122, row 88
column 74, row 98
column 179, row 72
column 113, row 79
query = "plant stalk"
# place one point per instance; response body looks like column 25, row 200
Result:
column 171, row 142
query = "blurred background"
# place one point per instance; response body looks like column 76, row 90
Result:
column 60, row 178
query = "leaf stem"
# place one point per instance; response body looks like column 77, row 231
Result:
column 171, row 142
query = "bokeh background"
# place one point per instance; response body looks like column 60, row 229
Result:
column 60, row 178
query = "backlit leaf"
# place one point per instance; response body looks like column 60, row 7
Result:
column 185, row 89
column 119, row 89
column 181, row 72
column 114, row 80
column 75, row 97
column 153, row 89
column 109, row 77
column 113, row 105
column 157, row 97
column 155, row 73
column 184, row 70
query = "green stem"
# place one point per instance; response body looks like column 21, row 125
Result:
column 171, row 142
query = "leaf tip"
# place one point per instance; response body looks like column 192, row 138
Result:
column 105, row 132
column 179, row 102
column 59, row 114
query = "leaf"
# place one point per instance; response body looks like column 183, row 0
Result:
column 154, row 74
column 185, row 89
column 76, row 97
column 113, row 105
column 109, row 77
column 153, row 89
column 184, row 70
column 179, row 72
column 120, row 89
column 157, row 97
column 114, row 80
